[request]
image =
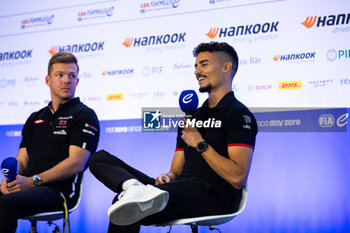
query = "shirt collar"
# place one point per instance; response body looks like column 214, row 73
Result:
column 65, row 105
column 228, row 98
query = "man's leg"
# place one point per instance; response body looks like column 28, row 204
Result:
column 188, row 197
column 23, row 203
column 112, row 171
column 8, row 219
column 139, row 197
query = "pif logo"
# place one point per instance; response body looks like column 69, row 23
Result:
column 289, row 85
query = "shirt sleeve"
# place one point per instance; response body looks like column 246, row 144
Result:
column 241, row 129
column 180, row 144
column 26, row 131
column 85, row 130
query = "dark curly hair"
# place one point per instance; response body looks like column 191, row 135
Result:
column 223, row 47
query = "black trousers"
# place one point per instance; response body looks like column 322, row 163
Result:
column 188, row 196
column 24, row 203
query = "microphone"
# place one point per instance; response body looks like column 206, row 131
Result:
column 188, row 102
column 9, row 168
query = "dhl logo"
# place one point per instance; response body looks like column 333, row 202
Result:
column 309, row 21
column 53, row 50
column 213, row 33
column 128, row 42
column 290, row 85
column 277, row 57
column 113, row 97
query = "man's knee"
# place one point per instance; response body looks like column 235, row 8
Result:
column 8, row 218
column 4, row 203
column 6, row 208
column 96, row 158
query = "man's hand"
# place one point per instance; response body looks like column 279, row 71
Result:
column 191, row 135
column 163, row 178
column 20, row 183
column 3, row 186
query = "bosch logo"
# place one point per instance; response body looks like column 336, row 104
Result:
column 187, row 98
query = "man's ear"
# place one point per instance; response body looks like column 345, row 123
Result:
column 47, row 80
column 227, row 66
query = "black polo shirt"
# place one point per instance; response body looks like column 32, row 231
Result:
column 238, row 128
column 47, row 136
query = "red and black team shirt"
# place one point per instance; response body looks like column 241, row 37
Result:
column 47, row 136
column 238, row 128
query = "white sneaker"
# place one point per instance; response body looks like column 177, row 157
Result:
column 136, row 203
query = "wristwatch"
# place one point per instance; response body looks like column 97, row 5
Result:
column 201, row 146
column 37, row 181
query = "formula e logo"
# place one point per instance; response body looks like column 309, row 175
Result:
column 151, row 119
column 326, row 120
column 342, row 120
column 187, row 98
column 5, row 171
